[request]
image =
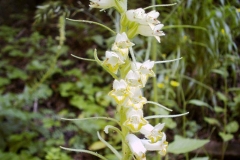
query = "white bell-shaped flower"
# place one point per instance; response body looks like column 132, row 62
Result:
column 151, row 17
column 134, row 79
column 149, row 30
column 137, row 15
column 160, row 146
column 112, row 61
column 154, row 134
column 135, row 99
column 135, row 119
column 104, row 4
column 122, row 52
column 120, row 90
column 144, row 70
column 122, row 41
column 136, row 147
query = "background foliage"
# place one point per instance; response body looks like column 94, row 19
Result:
column 40, row 83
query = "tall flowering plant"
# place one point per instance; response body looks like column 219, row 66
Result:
column 130, row 77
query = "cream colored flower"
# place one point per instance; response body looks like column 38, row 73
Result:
column 120, row 91
column 135, row 119
column 148, row 30
column 136, row 147
column 133, row 78
column 135, row 99
column 144, row 70
column 112, row 61
column 122, row 41
column 154, row 134
column 137, row 15
column 104, row 4
column 160, row 146
column 151, row 17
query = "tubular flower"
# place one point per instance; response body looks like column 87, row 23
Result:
column 121, row 45
column 135, row 99
column 104, row 4
column 139, row 16
column 160, row 146
column 145, row 70
column 122, row 52
column 151, row 17
column 120, row 91
column 154, row 134
column 133, row 78
column 155, row 31
column 135, row 120
column 122, row 41
column 136, row 147
column 113, row 61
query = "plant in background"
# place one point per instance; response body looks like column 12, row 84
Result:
column 130, row 77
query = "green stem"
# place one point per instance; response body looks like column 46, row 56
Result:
column 225, row 144
column 126, row 153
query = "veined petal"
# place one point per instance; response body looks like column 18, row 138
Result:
column 136, row 147
column 135, row 120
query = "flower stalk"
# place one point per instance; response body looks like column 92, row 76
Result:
column 130, row 78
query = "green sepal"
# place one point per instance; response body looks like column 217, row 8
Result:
column 132, row 32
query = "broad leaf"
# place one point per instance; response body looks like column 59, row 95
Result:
column 232, row 127
column 225, row 137
column 212, row 121
column 184, row 145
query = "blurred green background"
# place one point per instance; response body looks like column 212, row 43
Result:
column 40, row 82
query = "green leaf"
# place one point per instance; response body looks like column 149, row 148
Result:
column 4, row 81
column 169, row 123
column 212, row 121
column 97, row 145
column 15, row 73
column 184, row 145
column 98, row 39
column 66, row 89
column 222, row 72
column 221, row 96
column 232, row 127
column 199, row 103
column 78, row 101
column 218, row 109
column 225, row 137
column 200, row 158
